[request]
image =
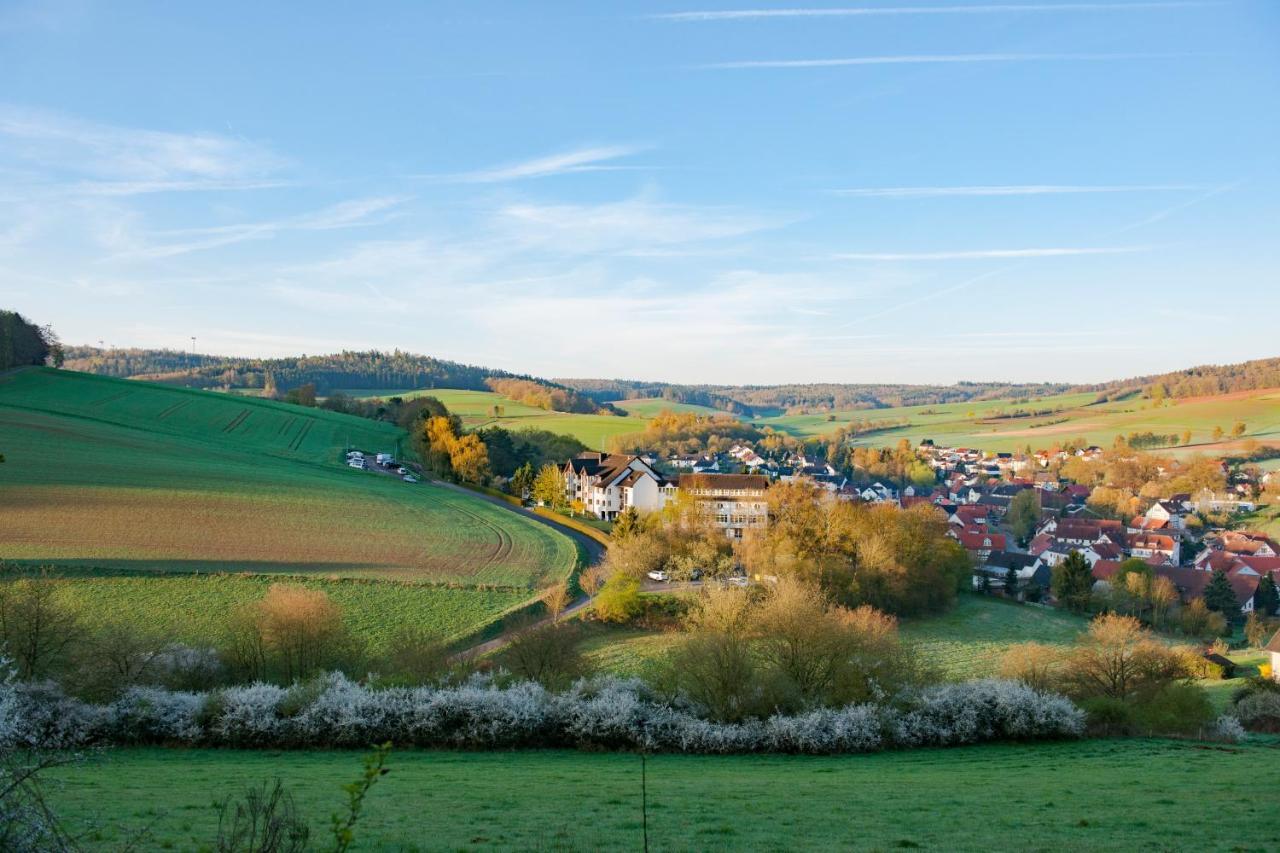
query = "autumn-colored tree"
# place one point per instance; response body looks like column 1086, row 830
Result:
column 469, row 459
column 1238, row 429
column 298, row 631
column 556, row 598
column 549, row 487
column 1118, row 658
column 1163, row 596
column 1034, row 664
column 1255, row 630
column 619, row 600
column 1197, row 620
column 1186, row 436
column 1217, row 433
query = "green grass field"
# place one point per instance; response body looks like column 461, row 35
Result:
column 119, row 474
column 194, row 608
column 476, row 408
column 649, row 407
column 969, row 640
column 1092, row 795
column 970, row 424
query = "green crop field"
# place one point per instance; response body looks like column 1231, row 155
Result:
column 194, row 608
column 1092, row 795
column 969, row 640
column 652, row 406
column 476, row 408
column 1074, row 415
column 121, row 474
column 971, row 424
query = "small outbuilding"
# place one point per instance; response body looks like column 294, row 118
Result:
column 1274, row 648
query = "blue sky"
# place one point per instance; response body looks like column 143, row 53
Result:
column 690, row 191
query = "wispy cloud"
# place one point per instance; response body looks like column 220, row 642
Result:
column 131, row 160
column 348, row 214
column 1022, row 189
column 636, row 227
column 933, row 59
column 876, row 11
column 594, row 159
column 981, row 254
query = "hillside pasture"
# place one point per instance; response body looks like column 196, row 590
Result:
column 976, row 424
column 1093, row 795
column 127, row 475
column 195, row 608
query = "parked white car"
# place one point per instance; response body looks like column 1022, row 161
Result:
column 357, row 463
column 738, row 580
column 659, row 575
column 402, row 471
column 409, row 478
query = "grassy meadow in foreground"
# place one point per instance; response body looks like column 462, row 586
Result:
column 128, row 475
column 1095, row 795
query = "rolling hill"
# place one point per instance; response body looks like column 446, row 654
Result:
column 118, row 474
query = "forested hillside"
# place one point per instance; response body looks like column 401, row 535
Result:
column 1207, row 380
column 761, row 399
column 348, row 370
column 24, row 343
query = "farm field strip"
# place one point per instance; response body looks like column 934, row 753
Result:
column 972, row 423
column 117, row 491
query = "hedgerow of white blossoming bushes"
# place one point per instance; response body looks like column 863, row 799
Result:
column 606, row 713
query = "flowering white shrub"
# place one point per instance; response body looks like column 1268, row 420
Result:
column 246, row 716
column 856, row 728
column 985, row 710
column 49, row 719
column 604, row 713
column 1227, row 728
column 149, row 714
column 1259, row 711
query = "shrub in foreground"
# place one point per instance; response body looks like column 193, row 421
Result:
column 604, row 713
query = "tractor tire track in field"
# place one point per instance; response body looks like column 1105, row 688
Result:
column 478, row 563
column 286, row 425
column 236, row 421
column 173, row 410
column 296, row 444
column 111, row 398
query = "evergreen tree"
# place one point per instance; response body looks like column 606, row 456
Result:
column 1072, row 581
column 1011, row 582
column 522, row 481
column 1267, row 599
column 1220, row 597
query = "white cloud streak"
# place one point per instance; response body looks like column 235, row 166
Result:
column 348, row 214
column 595, row 159
column 981, row 254
column 131, row 158
column 875, row 11
column 933, row 59
column 1017, row 190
